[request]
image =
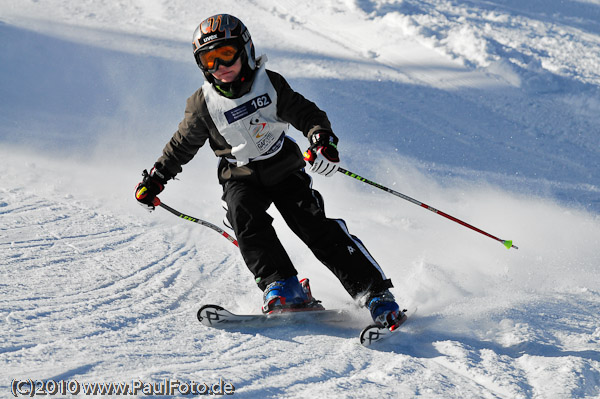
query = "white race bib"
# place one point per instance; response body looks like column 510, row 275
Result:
column 249, row 123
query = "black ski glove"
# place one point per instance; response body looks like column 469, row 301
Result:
column 147, row 190
column 322, row 153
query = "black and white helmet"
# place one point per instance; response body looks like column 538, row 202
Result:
column 221, row 30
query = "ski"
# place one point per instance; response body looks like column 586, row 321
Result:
column 374, row 333
column 219, row 317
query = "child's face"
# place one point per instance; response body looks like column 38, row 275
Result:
column 228, row 74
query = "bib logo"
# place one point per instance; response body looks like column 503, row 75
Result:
column 260, row 131
column 258, row 128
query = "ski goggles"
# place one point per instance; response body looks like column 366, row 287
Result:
column 224, row 55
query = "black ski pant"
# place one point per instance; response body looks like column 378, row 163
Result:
column 302, row 209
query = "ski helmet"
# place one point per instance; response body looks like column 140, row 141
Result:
column 218, row 31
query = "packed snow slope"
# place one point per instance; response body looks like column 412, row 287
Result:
column 486, row 110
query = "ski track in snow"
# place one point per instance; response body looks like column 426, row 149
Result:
column 487, row 110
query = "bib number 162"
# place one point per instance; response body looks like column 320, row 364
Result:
column 261, row 101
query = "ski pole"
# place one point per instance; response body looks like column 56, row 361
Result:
column 308, row 156
column 507, row 243
column 158, row 202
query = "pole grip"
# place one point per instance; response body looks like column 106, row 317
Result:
column 309, row 156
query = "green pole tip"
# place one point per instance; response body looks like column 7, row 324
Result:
column 507, row 244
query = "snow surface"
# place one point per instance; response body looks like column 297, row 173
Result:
column 487, row 110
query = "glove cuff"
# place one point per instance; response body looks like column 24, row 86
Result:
column 323, row 138
column 158, row 174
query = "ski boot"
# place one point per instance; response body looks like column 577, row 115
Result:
column 384, row 310
column 289, row 295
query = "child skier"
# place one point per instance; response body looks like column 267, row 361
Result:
column 243, row 110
